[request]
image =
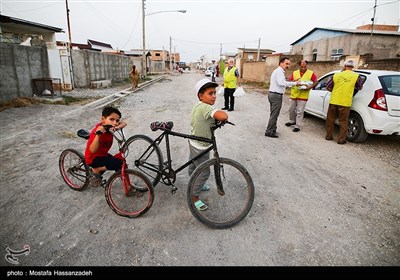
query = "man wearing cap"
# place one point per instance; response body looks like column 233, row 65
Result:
column 343, row 86
column 203, row 117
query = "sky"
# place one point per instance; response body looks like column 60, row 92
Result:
column 208, row 28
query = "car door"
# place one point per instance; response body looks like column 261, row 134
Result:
column 318, row 100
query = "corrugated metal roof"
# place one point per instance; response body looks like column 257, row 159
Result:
column 11, row 20
column 352, row 31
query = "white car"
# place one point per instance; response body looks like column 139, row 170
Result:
column 208, row 71
column 375, row 108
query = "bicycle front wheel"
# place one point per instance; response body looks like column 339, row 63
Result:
column 130, row 204
column 74, row 170
column 227, row 204
column 142, row 153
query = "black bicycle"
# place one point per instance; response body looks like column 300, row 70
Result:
column 231, row 189
column 128, row 192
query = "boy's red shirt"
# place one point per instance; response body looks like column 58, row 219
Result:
column 106, row 141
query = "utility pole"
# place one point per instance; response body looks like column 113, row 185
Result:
column 170, row 53
column 163, row 60
column 258, row 51
column 69, row 27
column 144, row 59
column 373, row 19
column 69, row 51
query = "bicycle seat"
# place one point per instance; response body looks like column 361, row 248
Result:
column 161, row 125
column 83, row 133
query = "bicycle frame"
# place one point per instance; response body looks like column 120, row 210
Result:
column 166, row 133
column 120, row 138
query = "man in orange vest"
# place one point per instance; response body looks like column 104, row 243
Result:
column 299, row 94
column 343, row 86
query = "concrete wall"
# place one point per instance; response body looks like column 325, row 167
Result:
column 261, row 71
column 253, row 71
column 354, row 44
column 18, row 66
column 89, row 66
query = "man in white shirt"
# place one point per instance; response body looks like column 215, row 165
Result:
column 277, row 88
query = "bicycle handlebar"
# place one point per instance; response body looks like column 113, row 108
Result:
column 219, row 124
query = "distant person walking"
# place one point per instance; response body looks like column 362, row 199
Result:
column 299, row 94
column 343, row 86
column 231, row 79
column 277, row 88
column 134, row 76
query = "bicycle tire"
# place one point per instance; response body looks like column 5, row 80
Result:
column 145, row 156
column 74, row 170
column 129, row 206
column 224, row 211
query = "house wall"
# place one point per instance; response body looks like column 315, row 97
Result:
column 18, row 66
column 253, row 71
column 91, row 66
column 380, row 46
column 261, row 71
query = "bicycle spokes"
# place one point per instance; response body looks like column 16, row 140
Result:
column 219, row 177
column 229, row 194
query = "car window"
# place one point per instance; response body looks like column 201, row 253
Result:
column 322, row 83
column 390, row 84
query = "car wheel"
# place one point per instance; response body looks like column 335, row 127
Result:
column 356, row 131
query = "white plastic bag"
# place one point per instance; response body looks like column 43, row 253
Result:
column 220, row 90
column 239, row 92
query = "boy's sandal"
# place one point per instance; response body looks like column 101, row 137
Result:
column 200, row 205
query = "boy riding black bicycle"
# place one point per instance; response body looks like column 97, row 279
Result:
column 203, row 117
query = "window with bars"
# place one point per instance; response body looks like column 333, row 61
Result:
column 336, row 54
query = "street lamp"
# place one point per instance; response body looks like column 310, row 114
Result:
column 144, row 60
column 173, row 11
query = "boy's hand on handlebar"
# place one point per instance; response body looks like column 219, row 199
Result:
column 222, row 123
column 103, row 129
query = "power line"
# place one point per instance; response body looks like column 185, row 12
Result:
column 219, row 43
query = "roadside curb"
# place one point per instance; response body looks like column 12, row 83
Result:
column 118, row 95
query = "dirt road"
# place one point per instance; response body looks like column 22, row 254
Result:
column 317, row 203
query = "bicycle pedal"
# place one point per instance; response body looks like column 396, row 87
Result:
column 174, row 189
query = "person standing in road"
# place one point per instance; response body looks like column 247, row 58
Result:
column 343, row 86
column 203, row 117
column 277, row 88
column 299, row 94
column 231, row 79
column 213, row 71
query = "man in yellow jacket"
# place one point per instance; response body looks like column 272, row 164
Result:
column 231, row 79
column 343, row 86
column 299, row 94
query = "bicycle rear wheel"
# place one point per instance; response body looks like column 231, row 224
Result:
column 135, row 204
column 74, row 170
column 227, row 210
column 145, row 155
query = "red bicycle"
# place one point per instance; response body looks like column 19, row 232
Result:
column 128, row 192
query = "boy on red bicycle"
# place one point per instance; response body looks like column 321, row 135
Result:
column 100, row 142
